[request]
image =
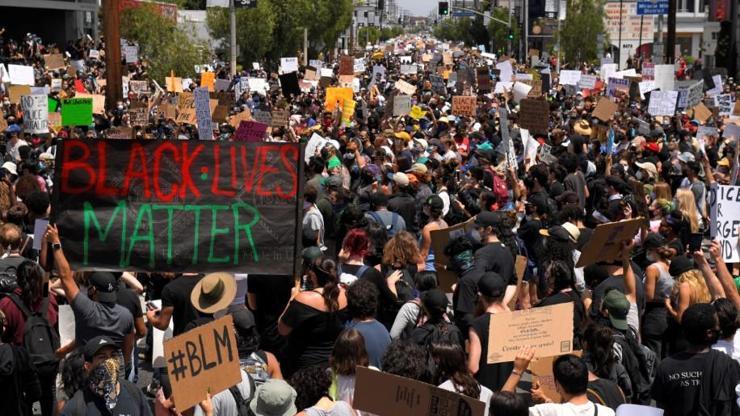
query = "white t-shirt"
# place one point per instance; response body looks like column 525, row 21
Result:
column 731, row 348
column 485, row 393
column 569, row 409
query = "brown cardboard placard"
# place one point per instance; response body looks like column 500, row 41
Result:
column 548, row 329
column 168, row 111
column 391, row 395
column 279, row 118
column 541, row 368
column 520, row 266
column 701, row 113
column 346, row 65
column 15, row 92
column 120, row 133
column 245, row 115
column 174, row 84
column 138, row 116
column 605, row 109
column 442, row 237
column 464, row 105
column 3, row 122
column 220, row 113
column 185, row 116
column 54, row 61
column 405, row 87
column 534, row 115
column 201, row 361
column 98, row 101
column 605, row 243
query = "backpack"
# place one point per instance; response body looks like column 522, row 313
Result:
column 349, row 278
column 256, row 367
column 39, row 338
column 632, row 356
column 242, row 403
column 8, row 280
column 391, row 229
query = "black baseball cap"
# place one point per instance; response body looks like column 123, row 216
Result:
column 489, row 219
column 106, row 285
column 434, row 202
column 653, row 241
column 492, row 285
column 680, row 265
column 96, row 344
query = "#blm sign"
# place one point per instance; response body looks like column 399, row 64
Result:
column 387, row 394
column 549, row 330
column 724, row 206
column 201, row 361
column 178, row 205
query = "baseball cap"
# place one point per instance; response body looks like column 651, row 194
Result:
column 686, row 157
column 418, row 168
column 434, row 202
column 649, row 167
column 106, row 285
column 618, row 307
column 434, row 300
column 400, row 178
column 488, row 219
column 310, row 254
column 680, row 265
column 558, row 232
column 492, row 285
column 96, row 344
column 653, row 241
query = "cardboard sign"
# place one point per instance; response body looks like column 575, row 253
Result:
column 337, row 95
column 391, row 395
column 695, row 94
column 724, row 103
column 250, row 132
column 139, row 87
column 534, row 115
column 93, row 54
column 405, row 87
column 54, row 61
column 701, row 113
column 201, row 361
column 237, row 118
column 203, row 113
column 21, row 75
column 663, row 103
column 484, row 79
column 724, row 206
column 55, row 121
column 289, row 84
column 35, row 114
column 174, row 84
column 464, row 105
column 119, row 133
column 208, row 80
column 401, row 105
column 570, row 77
column 289, row 64
column 440, row 239
column 549, row 330
column 98, row 102
column 408, row 69
column 606, row 241
column 77, row 112
column 605, row 109
column 617, row 84
column 280, row 118
column 261, row 116
column 220, row 113
column 138, row 116
column 172, row 206
column 15, row 92
column 346, row 65
column 520, row 267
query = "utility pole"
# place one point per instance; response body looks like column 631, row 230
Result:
column 619, row 43
column 561, row 16
column 511, row 12
column 526, row 31
column 232, row 36
column 658, row 47
column 670, row 42
column 112, row 30
column 305, row 46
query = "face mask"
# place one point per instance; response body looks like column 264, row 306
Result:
column 639, row 176
column 651, row 257
column 103, row 379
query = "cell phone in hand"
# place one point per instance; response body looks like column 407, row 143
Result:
column 695, row 242
column 150, row 306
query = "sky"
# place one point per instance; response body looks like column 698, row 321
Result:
column 417, row 7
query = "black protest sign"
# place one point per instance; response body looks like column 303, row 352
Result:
column 484, row 79
column 178, row 206
column 534, row 114
column 201, row 361
column 289, row 84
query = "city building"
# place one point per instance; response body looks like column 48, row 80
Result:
column 57, row 21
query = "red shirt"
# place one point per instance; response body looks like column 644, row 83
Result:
column 15, row 321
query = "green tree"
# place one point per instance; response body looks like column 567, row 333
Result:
column 584, row 22
column 368, row 34
column 500, row 32
column 163, row 45
column 326, row 20
column 455, row 30
column 254, row 31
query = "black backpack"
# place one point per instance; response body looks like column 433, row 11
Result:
column 39, row 338
column 632, row 357
column 242, row 404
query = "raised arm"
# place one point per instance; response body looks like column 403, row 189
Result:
column 630, row 285
column 713, row 284
column 65, row 272
column 723, row 274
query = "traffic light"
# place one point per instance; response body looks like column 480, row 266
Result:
column 444, row 8
column 511, row 35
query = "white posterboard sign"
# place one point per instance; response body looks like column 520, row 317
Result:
column 724, row 206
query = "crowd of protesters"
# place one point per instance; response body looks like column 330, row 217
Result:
column 655, row 327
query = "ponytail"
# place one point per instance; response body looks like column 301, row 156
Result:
column 326, row 276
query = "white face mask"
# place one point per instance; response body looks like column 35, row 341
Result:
column 651, row 257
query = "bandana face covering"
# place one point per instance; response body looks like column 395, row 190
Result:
column 103, row 380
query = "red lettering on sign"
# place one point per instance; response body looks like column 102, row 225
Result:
column 187, row 161
column 165, row 146
column 70, row 165
column 289, row 157
column 100, row 187
column 230, row 193
column 248, row 173
column 136, row 157
column 264, row 168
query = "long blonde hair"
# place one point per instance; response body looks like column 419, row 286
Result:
column 687, row 206
column 699, row 290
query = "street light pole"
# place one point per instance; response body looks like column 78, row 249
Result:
column 232, row 36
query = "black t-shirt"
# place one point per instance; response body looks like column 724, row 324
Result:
column 464, row 299
column 697, row 384
column 177, row 295
column 129, row 300
column 493, row 376
column 131, row 402
column 389, row 303
column 271, row 294
column 606, row 393
column 495, row 257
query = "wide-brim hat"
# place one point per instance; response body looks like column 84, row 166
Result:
column 213, row 293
